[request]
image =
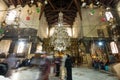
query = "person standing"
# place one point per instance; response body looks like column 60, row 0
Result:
column 11, row 61
column 68, row 65
column 57, row 64
column 44, row 67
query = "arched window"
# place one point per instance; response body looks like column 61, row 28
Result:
column 108, row 15
column 114, row 47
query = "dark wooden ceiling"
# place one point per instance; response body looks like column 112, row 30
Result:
column 69, row 8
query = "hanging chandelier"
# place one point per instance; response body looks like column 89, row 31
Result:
column 60, row 39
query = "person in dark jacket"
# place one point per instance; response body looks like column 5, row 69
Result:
column 68, row 65
column 58, row 64
column 44, row 67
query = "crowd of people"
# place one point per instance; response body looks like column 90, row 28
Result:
column 61, row 65
column 103, row 64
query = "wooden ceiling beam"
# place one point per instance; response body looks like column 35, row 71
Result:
column 51, row 5
column 70, row 5
column 69, row 11
column 69, row 18
column 15, row 2
column 6, row 2
column 110, row 2
column 35, row 3
column 20, row 2
column 69, row 22
column 23, row 3
column 115, row 2
column 64, row 11
column 50, row 14
column 48, row 7
column 52, row 21
column 52, row 24
column 11, row 2
column 51, row 18
column 71, row 14
column 66, row 20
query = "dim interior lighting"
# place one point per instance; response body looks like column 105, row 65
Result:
column 98, row 2
column 59, row 24
column 46, row 2
column 32, row 1
column 83, row 4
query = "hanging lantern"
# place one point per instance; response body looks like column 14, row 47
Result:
column 27, row 18
column 103, row 19
column 92, row 12
column 38, row 10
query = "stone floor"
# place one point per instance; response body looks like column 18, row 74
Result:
column 78, row 74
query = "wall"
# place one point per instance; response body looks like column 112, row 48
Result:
column 43, row 30
column 89, row 24
column 76, row 29
column 22, row 14
column 2, row 12
column 5, row 46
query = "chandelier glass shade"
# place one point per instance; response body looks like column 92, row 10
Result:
column 60, row 39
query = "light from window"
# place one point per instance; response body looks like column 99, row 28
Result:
column 114, row 47
column 21, row 46
column 108, row 15
column 11, row 16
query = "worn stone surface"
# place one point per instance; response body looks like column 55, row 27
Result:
column 79, row 73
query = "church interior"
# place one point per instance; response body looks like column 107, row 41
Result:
column 87, row 30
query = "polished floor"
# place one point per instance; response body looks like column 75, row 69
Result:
column 78, row 74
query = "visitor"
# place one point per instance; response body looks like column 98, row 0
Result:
column 44, row 67
column 57, row 64
column 11, row 61
column 68, row 65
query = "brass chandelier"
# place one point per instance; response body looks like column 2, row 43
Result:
column 60, row 39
